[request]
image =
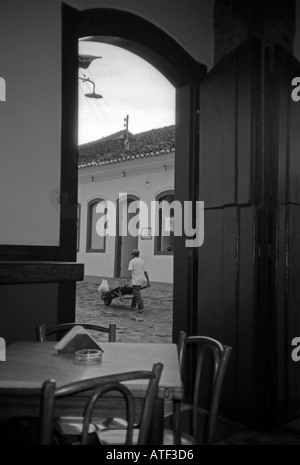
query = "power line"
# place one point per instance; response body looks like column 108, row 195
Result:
column 109, row 118
column 89, row 103
column 117, row 122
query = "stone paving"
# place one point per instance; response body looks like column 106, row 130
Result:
column 156, row 324
column 153, row 325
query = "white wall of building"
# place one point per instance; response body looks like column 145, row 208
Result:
column 143, row 178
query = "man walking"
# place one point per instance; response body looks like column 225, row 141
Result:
column 137, row 274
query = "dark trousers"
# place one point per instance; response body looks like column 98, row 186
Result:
column 137, row 298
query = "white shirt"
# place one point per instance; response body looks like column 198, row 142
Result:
column 137, row 268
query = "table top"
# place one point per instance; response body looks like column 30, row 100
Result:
column 28, row 364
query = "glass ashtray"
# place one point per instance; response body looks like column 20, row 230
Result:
column 88, row 356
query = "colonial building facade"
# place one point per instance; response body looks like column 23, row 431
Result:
column 140, row 170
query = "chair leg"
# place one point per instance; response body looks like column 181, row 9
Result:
column 41, row 333
column 112, row 332
column 156, row 429
column 176, row 416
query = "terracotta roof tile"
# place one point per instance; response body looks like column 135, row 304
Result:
column 111, row 149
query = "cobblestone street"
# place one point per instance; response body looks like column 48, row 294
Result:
column 153, row 325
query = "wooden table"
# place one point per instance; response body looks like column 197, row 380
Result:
column 29, row 364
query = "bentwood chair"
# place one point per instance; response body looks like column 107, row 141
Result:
column 191, row 423
column 42, row 332
column 95, row 388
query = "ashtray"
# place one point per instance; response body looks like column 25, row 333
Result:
column 88, row 356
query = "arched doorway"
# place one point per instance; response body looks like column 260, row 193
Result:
column 145, row 40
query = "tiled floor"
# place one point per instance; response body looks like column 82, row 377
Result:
column 156, row 326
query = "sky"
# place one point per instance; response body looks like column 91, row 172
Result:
column 129, row 86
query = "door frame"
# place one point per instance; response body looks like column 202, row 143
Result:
column 143, row 38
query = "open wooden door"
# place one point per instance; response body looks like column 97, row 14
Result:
column 248, row 296
column 284, row 150
column 230, row 184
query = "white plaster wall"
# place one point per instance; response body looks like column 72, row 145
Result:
column 160, row 267
column 30, row 121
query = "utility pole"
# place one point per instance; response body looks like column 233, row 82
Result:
column 126, row 120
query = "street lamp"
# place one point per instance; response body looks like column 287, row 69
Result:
column 84, row 61
column 91, row 94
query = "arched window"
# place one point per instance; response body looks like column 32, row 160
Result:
column 164, row 241
column 95, row 243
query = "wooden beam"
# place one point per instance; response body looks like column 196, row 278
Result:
column 21, row 272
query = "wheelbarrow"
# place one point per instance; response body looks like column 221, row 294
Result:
column 119, row 292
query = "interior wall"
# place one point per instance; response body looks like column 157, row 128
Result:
column 190, row 23
column 24, row 307
column 30, row 50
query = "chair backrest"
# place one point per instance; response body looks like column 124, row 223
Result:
column 217, row 354
column 42, row 332
column 97, row 387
